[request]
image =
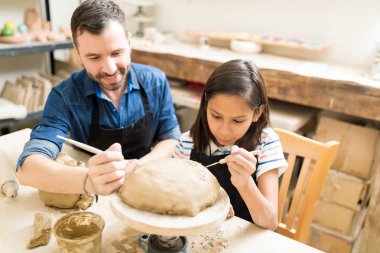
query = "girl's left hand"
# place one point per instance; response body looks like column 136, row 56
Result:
column 241, row 164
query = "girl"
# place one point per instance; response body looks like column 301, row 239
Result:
column 232, row 123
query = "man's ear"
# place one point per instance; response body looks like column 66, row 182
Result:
column 76, row 57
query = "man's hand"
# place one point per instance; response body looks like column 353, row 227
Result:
column 107, row 170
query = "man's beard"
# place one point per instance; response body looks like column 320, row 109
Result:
column 113, row 86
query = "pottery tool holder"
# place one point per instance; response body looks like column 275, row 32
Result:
column 166, row 233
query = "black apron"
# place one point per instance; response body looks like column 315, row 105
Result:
column 221, row 172
column 136, row 139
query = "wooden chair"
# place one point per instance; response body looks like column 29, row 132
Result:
column 295, row 221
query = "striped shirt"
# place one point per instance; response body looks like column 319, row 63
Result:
column 271, row 155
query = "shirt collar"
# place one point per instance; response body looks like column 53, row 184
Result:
column 92, row 87
column 214, row 149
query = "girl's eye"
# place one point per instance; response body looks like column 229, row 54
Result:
column 94, row 58
column 238, row 121
column 215, row 116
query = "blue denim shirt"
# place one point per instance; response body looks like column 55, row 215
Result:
column 68, row 110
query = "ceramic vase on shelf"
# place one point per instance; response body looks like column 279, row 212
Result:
column 140, row 17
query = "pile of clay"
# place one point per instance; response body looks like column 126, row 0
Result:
column 170, row 186
column 66, row 200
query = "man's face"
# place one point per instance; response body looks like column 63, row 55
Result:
column 106, row 57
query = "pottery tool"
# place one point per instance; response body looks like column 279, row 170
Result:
column 221, row 161
column 8, row 182
column 81, row 145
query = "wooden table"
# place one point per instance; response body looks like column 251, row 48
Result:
column 338, row 88
column 234, row 235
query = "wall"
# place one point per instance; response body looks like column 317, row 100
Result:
column 13, row 10
column 349, row 26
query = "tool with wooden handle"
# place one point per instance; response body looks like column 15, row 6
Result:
column 81, row 145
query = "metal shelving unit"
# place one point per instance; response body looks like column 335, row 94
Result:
column 26, row 48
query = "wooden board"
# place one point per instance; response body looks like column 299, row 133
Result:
column 171, row 225
column 263, row 40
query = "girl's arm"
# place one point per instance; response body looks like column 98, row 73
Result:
column 261, row 199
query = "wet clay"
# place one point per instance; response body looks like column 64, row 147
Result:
column 77, row 231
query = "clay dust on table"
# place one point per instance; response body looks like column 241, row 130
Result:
column 212, row 241
column 127, row 242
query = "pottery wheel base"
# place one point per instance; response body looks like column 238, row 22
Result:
column 163, row 244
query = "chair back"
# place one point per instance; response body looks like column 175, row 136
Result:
column 296, row 207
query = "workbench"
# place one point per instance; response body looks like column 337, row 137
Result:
column 234, row 235
column 343, row 89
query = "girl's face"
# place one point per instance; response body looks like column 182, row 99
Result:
column 229, row 117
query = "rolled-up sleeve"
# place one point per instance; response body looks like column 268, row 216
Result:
column 37, row 146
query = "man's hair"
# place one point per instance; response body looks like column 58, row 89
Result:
column 236, row 77
column 94, row 15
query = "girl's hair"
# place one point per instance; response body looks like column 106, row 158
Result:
column 236, row 77
column 94, row 15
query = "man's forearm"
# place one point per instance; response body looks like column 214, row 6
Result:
column 45, row 174
column 163, row 149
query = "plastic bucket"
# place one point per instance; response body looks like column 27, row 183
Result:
column 79, row 232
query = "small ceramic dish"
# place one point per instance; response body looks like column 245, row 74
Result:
column 13, row 39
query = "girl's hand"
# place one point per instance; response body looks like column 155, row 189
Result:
column 241, row 164
column 107, row 170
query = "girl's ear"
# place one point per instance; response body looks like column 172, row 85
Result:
column 258, row 112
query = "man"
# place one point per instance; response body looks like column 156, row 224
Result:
column 114, row 105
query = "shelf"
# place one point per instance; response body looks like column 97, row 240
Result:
column 6, row 123
column 32, row 48
column 186, row 97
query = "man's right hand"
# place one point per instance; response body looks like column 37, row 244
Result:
column 106, row 170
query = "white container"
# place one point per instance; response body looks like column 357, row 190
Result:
column 245, row 46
